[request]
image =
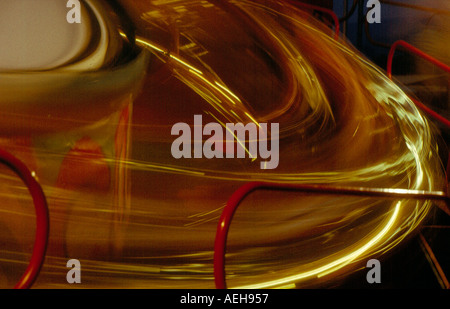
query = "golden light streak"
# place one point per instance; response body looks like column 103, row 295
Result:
column 228, row 91
column 190, row 67
column 147, row 44
column 253, row 119
column 337, row 113
column 214, row 87
column 337, row 264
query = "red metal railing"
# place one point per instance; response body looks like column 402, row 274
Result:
column 42, row 219
column 444, row 121
column 240, row 194
column 430, row 59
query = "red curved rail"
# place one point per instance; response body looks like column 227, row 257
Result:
column 42, row 219
column 430, row 59
column 238, row 196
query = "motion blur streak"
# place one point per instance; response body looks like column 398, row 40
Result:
column 342, row 122
column 336, row 264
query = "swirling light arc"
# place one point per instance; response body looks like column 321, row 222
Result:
column 235, row 200
column 403, row 106
column 326, row 95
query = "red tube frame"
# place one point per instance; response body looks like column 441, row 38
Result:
column 427, row 57
column 42, row 219
column 238, row 196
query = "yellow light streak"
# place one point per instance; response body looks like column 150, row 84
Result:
column 333, row 266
